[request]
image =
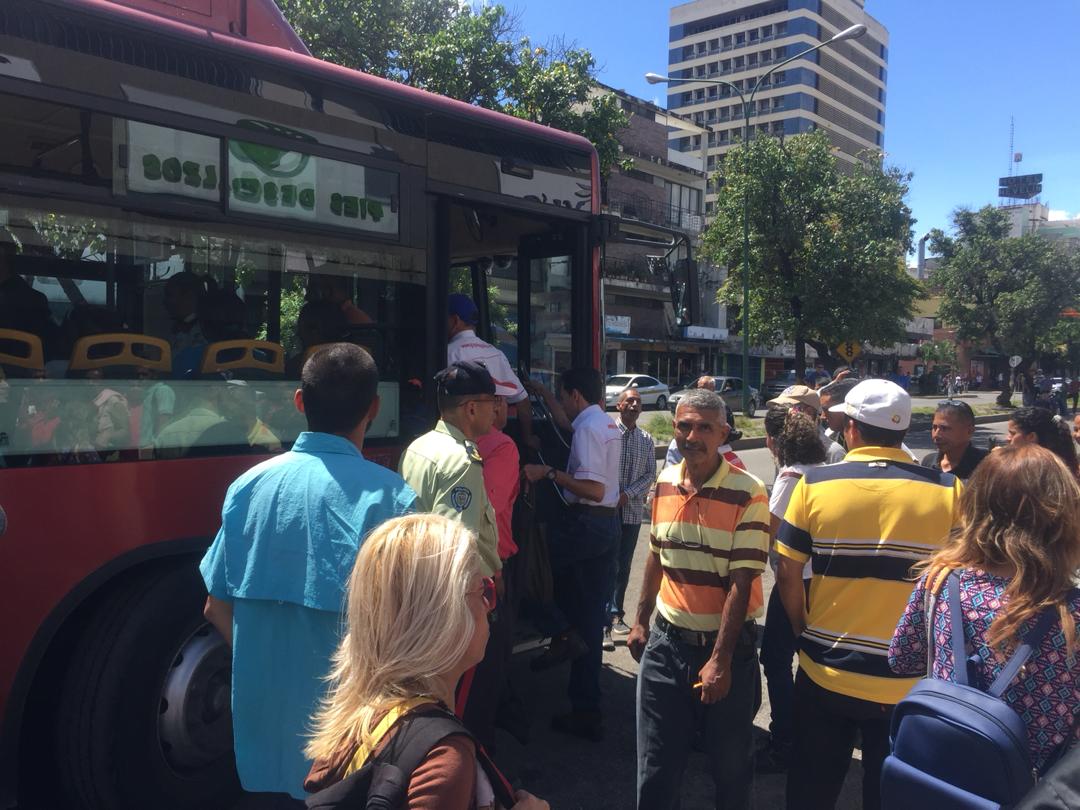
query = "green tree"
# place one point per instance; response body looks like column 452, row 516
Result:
column 465, row 52
column 1063, row 343
column 1002, row 291
column 942, row 352
column 827, row 248
column 70, row 238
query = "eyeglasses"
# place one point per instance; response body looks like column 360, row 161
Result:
column 680, row 519
column 487, row 593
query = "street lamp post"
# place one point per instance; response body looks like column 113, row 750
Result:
column 852, row 32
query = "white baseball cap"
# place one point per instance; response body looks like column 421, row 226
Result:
column 878, row 403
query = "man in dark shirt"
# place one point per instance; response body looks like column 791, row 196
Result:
column 954, row 425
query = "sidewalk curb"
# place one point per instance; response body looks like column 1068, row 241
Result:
column 992, row 417
column 759, row 441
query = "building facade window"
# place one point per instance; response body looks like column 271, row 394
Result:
column 683, row 199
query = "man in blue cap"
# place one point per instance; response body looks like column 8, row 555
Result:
column 464, row 345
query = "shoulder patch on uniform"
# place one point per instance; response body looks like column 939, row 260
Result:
column 460, row 498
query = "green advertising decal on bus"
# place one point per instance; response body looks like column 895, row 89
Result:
column 262, row 180
column 281, row 183
column 160, row 160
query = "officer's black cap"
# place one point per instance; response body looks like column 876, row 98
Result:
column 465, row 379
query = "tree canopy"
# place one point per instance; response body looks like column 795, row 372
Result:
column 1008, row 292
column 470, row 53
column 827, row 247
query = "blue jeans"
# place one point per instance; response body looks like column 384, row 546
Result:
column 778, row 647
column 581, row 550
column 669, row 709
column 623, row 560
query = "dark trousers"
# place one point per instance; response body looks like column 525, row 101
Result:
column 580, row 550
column 623, row 560
column 778, row 648
column 669, row 709
column 480, row 689
column 825, row 727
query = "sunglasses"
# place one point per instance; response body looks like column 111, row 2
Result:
column 487, row 593
column 956, row 403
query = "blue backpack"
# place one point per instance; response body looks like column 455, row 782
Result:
column 953, row 745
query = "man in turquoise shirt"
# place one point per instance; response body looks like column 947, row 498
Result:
column 278, row 569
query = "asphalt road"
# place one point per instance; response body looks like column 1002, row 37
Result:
column 573, row 774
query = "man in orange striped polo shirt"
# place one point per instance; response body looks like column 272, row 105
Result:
column 709, row 545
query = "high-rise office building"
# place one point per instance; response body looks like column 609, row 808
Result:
column 839, row 89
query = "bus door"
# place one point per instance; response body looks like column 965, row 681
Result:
column 532, row 282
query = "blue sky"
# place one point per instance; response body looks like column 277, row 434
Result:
column 957, row 70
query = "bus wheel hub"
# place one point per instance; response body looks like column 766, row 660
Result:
column 195, row 722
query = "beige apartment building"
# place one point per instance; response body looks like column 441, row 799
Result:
column 839, row 89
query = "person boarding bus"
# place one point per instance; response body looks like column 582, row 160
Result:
column 465, row 346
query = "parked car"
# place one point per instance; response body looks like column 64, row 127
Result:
column 684, row 383
column 775, row 387
column 730, row 388
column 653, row 392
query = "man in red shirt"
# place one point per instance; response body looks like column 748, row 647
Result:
column 502, row 474
column 478, row 696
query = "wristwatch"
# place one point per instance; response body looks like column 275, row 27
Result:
column 551, row 473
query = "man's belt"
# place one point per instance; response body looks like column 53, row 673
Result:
column 590, row 509
column 700, row 638
column 695, row 638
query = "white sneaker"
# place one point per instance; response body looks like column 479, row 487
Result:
column 620, row 628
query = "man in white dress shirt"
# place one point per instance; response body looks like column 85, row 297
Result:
column 465, row 347
column 581, row 546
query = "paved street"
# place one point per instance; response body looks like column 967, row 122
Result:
column 573, row 774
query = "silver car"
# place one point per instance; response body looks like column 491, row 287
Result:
column 653, row 392
column 730, row 388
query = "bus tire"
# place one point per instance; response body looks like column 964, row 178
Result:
column 109, row 743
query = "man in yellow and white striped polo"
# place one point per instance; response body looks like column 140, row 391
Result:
column 863, row 523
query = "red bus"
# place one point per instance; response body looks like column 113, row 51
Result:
column 188, row 202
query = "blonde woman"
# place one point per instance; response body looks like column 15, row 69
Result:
column 417, row 619
column 1017, row 550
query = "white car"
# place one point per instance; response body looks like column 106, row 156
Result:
column 653, row 392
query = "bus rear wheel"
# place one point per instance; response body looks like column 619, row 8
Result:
column 143, row 717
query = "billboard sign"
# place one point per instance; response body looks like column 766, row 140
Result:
column 1020, row 187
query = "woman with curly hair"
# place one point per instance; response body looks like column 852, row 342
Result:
column 1016, row 550
column 1040, row 426
column 795, row 442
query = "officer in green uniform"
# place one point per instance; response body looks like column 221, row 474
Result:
column 444, row 467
